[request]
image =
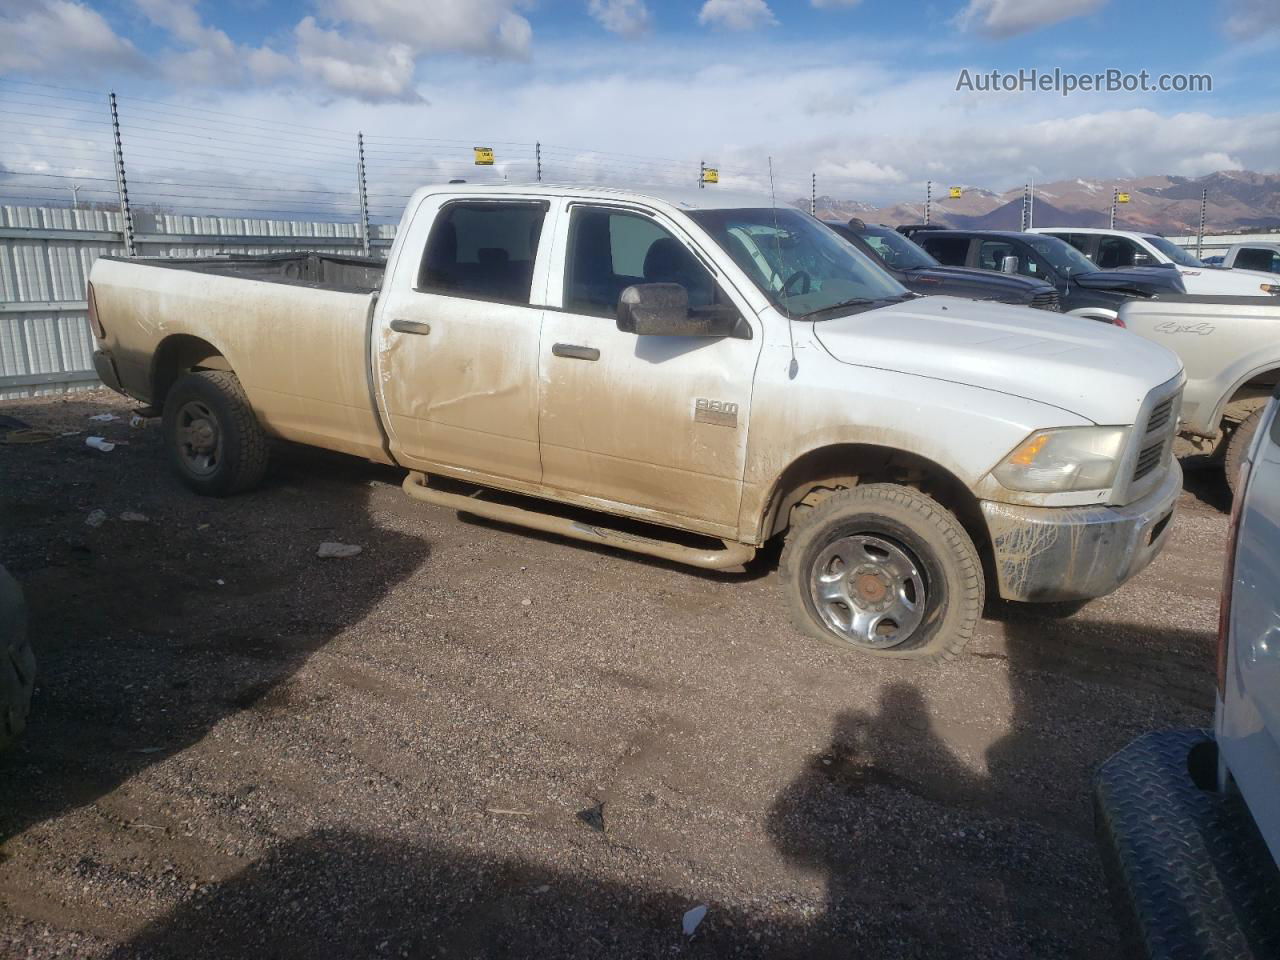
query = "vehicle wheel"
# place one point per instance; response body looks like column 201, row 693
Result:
column 17, row 662
column 216, row 445
column 883, row 569
column 1238, row 446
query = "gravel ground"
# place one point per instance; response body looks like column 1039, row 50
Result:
column 473, row 741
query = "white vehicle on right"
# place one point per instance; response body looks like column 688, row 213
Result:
column 1256, row 257
column 1111, row 249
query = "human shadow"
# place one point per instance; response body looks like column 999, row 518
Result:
column 150, row 630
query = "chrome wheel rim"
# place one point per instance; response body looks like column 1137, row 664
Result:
column 868, row 591
column 199, row 439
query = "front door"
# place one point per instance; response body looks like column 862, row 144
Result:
column 459, row 343
column 657, row 425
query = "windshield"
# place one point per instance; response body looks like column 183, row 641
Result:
column 1062, row 256
column 800, row 265
column 895, row 249
column 1173, row 251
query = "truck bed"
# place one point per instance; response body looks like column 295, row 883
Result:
column 319, row 271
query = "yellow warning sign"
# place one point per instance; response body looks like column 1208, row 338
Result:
column 710, row 175
column 956, row 193
column 484, row 156
column 1122, row 198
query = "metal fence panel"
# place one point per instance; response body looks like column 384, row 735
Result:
column 46, row 254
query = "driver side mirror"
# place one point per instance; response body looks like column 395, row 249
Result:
column 662, row 310
column 1009, row 265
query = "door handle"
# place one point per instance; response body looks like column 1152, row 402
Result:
column 575, row 352
column 411, row 326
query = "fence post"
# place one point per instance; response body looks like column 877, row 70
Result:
column 537, row 157
column 1204, row 202
column 1115, row 193
column 813, row 195
column 1026, row 206
column 928, row 199
column 122, row 185
column 364, row 195
column 702, row 172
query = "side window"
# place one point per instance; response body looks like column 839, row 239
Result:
column 483, row 250
column 1078, row 240
column 992, row 253
column 1256, row 258
column 610, row 250
column 951, row 251
column 1116, row 252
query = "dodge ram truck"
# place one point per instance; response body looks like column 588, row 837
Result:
column 684, row 375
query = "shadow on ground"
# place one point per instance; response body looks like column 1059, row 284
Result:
column 148, row 633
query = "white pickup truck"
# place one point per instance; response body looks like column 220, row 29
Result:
column 1189, row 822
column 1257, row 257
column 712, row 370
column 1111, row 249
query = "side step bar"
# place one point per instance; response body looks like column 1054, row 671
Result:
column 733, row 554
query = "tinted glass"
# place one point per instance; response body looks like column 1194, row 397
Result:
column 1064, row 258
column 952, row 251
column 1116, row 252
column 610, row 250
column 1256, row 258
column 895, row 249
column 1174, row 252
column 483, row 250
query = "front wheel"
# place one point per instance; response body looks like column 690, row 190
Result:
column 1238, row 447
column 215, row 443
column 885, row 570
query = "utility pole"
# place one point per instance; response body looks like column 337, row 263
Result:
column 122, row 185
column 1115, row 193
column 537, row 158
column 813, row 196
column 364, row 194
column 75, row 196
column 1026, row 206
column 928, row 199
column 1204, row 203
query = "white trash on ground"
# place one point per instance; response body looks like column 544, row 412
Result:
column 96, row 518
column 693, row 918
column 329, row 550
column 99, row 443
column 104, row 417
column 130, row 517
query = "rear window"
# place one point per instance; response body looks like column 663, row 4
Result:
column 483, row 250
column 949, row 250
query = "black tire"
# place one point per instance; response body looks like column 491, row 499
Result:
column 1238, row 446
column 912, row 523
column 17, row 662
column 215, row 444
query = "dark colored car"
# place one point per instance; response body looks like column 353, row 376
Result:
column 1083, row 289
column 913, row 267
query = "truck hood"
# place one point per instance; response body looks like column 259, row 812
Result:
column 1141, row 280
column 974, row 283
column 1091, row 369
column 1231, row 282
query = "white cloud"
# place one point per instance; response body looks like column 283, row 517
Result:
column 627, row 18
column 736, row 14
column 363, row 69
column 469, row 26
column 1250, row 19
column 1005, row 18
column 834, row 4
column 34, row 35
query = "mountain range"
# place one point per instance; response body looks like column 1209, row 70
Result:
column 1238, row 200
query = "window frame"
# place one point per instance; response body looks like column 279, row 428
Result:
column 542, row 204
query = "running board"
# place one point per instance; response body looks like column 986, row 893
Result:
column 733, row 554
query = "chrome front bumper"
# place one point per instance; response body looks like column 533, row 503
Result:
column 1076, row 553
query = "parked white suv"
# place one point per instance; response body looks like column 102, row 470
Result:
column 1189, row 821
column 1110, row 249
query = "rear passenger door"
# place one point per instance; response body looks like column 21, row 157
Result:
column 653, row 427
column 949, row 251
column 459, row 336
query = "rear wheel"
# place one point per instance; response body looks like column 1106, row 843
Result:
column 216, row 445
column 1238, row 446
column 885, row 570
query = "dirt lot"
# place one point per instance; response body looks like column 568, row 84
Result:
column 239, row 749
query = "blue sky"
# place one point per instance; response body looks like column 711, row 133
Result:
column 861, row 92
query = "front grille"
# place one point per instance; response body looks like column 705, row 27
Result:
column 1160, row 415
column 1148, row 459
column 1047, row 300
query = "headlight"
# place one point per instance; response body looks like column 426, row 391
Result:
column 1271, row 288
column 1070, row 458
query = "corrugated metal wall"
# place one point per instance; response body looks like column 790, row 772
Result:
column 46, row 254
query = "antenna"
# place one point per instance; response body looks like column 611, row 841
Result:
column 777, row 246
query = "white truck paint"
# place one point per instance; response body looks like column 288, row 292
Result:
column 734, row 432
column 1126, row 248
